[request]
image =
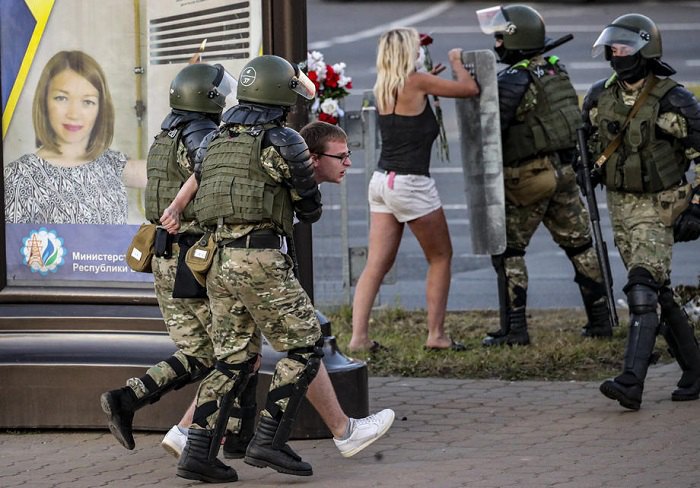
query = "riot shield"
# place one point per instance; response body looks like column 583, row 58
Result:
column 480, row 140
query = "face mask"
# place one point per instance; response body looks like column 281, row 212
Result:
column 420, row 61
column 629, row 68
column 508, row 56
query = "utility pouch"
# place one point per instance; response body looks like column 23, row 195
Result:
column 200, row 257
column 531, row 182
column 140, row 252
column 186, row 285
column 673, row 202
column 163, row 246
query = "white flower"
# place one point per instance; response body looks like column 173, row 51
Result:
column 330, row 106
column 343, row 81
column 315, row 61
column 339, row 68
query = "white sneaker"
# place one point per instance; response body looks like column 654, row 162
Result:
column 174, row 442
column 365, row 431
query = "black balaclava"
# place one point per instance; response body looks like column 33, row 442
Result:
column 507, row 56
column 630, row 68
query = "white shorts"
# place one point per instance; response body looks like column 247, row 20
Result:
column 407, row 197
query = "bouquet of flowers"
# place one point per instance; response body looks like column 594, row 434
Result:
column 331, row 86
column 443, row 147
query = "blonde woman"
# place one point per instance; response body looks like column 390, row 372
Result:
column 401, row 190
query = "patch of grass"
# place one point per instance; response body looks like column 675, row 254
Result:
column 557, row 352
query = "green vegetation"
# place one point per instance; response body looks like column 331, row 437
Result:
column 557, row 352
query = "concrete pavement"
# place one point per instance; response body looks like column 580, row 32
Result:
column 447, row 433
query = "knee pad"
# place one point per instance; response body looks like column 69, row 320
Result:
column 642, row 291
column 572, row 252
column 310, row 356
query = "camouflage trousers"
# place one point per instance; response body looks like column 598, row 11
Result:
column 188, row 321
column 253, row 291
column 640, row 235
column 566, row 218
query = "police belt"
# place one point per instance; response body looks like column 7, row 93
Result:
column 257, row 239
column 187, row 238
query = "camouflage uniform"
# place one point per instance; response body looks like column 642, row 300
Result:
column 559, row 208
column 643, row 218
column 642, row 233
column 254, row 290
column 188, row 321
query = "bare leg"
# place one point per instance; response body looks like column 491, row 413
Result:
column 186, row 419
column 323, row 398
column 434, row 237
column 384, row 239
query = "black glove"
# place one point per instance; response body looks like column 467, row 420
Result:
column 687, row 225
column 596, row 177
column 308, row 209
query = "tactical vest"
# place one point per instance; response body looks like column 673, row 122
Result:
column 165, row 176
column 642, row 163
column 551, row 124
column 236, row 189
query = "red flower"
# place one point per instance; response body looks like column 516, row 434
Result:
column 425, row 40
column 324, row 117
column 331, row 77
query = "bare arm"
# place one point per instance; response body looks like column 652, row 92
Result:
column 134, row 175
column 464, row 86
column 170, row 219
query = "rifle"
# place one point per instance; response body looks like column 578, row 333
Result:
column 601, row 248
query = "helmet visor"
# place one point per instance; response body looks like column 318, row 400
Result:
column 492, row 20
column 302, row 85
column 227, row 88
column 626, row 40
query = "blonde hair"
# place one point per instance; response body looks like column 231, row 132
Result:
column 396, row 60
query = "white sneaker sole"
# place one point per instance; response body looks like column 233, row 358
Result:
column 368, row 442
column 171, row 448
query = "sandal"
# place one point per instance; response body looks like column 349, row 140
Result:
column 454, row 346
column 374, row 348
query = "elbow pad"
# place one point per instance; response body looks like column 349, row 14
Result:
column 590, row 101
column 194, row 134
column 293, row 149
column 512, row 85
column 681, row 101
column 201, row 153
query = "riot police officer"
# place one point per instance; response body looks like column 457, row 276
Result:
column 255, row 176
column 644, row 130
column 198, row 95
column 539, row 115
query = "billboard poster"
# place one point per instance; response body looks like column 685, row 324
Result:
column 85, row 86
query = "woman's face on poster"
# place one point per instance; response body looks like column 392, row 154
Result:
column 73, row 104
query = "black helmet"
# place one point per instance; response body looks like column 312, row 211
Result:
column 636, row 31
column 521, row 27
column 273, row 80
column 202, row 88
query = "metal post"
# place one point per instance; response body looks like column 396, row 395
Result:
column 285, row 34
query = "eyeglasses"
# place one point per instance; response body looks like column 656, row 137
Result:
column 340, row 157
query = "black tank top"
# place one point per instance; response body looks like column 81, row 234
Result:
column 407, row 141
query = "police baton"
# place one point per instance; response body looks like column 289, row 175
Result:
column 601, row 248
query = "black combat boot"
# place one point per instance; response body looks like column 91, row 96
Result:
column 195, row 462
column 598, row 324
column 627, row 388
column 516, row 331
column 262, row 454
column 236, row 444
column 120, row 405
column 683, row 345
